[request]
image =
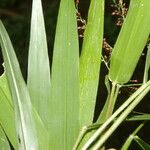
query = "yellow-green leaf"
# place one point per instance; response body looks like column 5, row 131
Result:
column 4, row 144
column 90, row 61
column 131, row 41
column 21, row 99
column 7, row 116
column 64, row 109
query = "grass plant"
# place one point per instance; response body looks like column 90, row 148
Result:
column 55, row 108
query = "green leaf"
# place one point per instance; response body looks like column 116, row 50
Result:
column 23, row 108
column 131, row 137
column 42, row 132
column 7, row 120
column 38, row 64
column 131, row 41
column 65, row 80
column 144, row 117
column 147, row 65
column 7, row 116
column 142, row 144
column 5, row 87
column 4, row 144
column 90, row 61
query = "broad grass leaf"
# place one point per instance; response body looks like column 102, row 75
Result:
column 7, row 119
column 38, row 80
column 4, row 144
column 64, row 109
column 7, row 115
column 131, row 41
column 21, row 99
column 90, row 61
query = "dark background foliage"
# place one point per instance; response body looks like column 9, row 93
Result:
column 16, row 16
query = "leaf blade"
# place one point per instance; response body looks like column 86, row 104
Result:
column 142, row 144
column 131, row 41
column 131, row 137
column 65, row 79
column 25, row 124
column 4, row 144
column 7, row 120
column 143, row 117
column 90, row 61
column 38, row 81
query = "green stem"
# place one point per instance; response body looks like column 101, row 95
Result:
column 118, row 111
column 112, row 100
column 83, row 132
column 106, row 63
column 129, row 85
column 110, row 104
column 80, row 137
column 120, row 119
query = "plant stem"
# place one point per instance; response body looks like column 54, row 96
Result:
column 83, row 132
column 105, row 62
column 110, row 103
column 129, row 85
column 118, row 111
column 120, row 119
column 80, row 137
column 112, row 100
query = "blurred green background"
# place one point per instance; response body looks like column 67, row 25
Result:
column 16, row 15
